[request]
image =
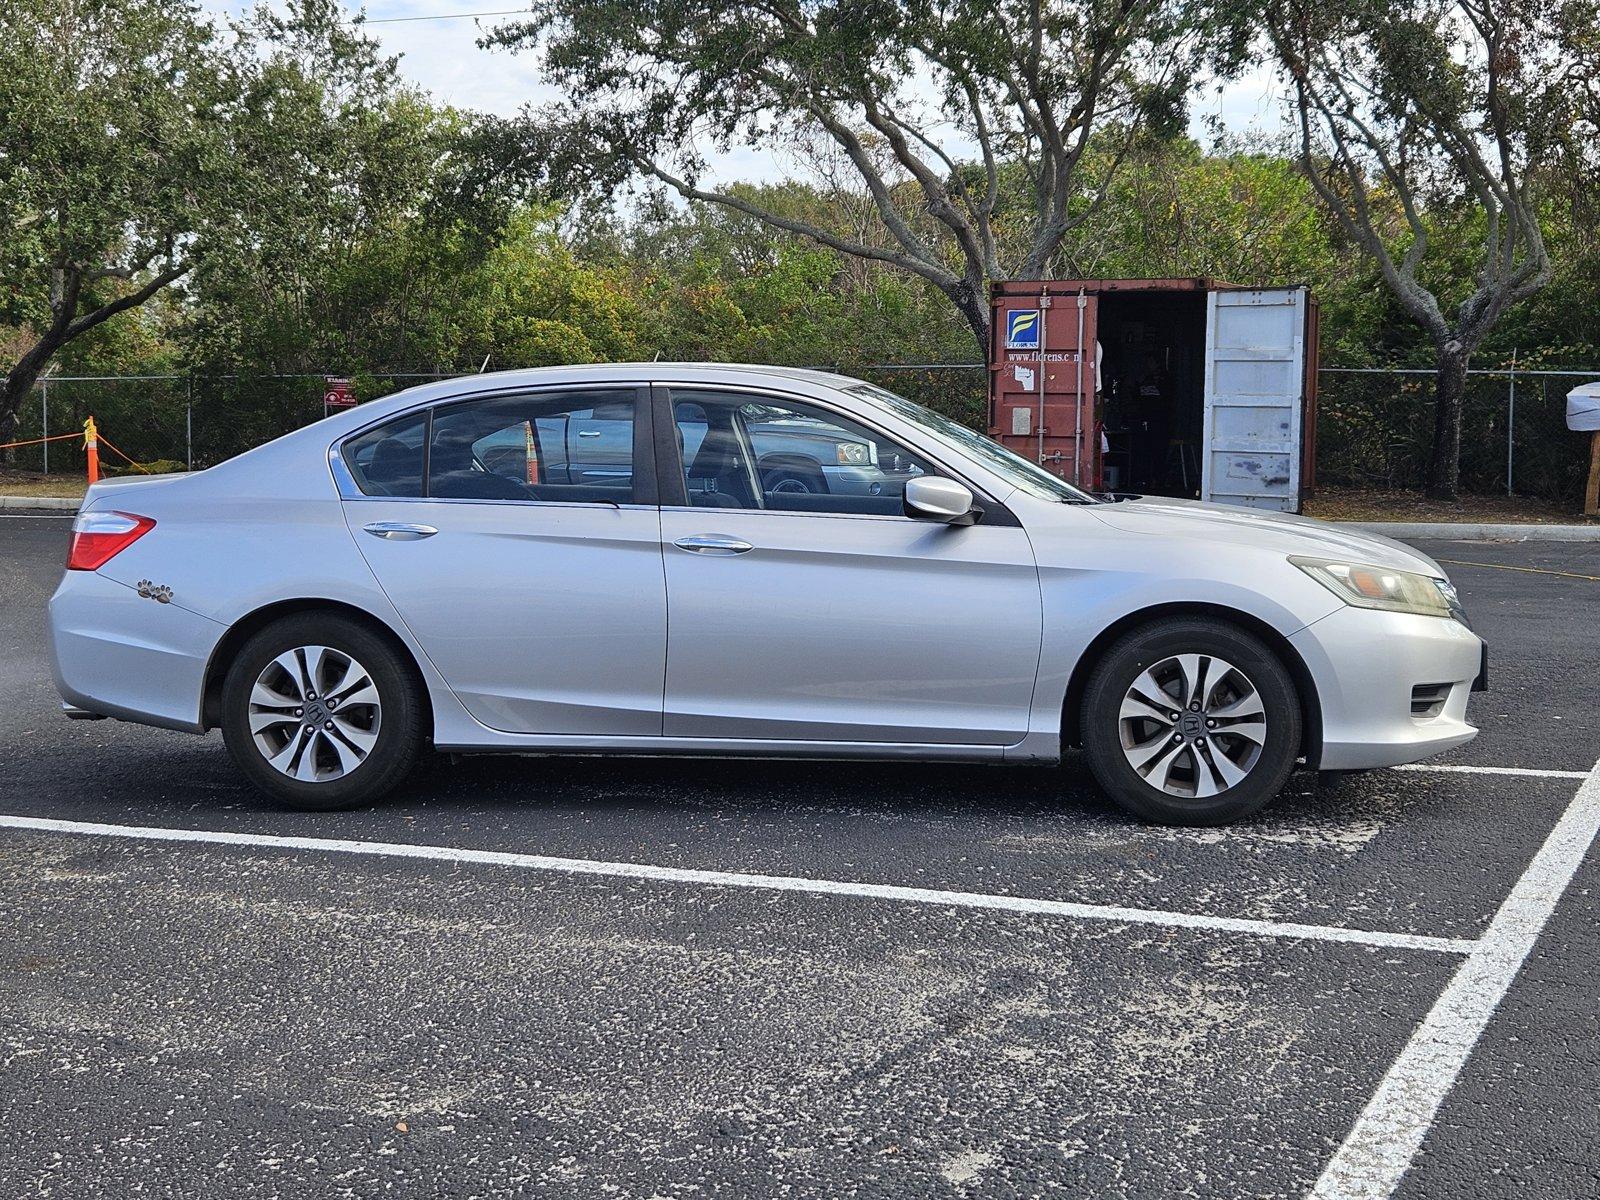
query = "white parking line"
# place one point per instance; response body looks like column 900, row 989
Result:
column 779, row 883
column 1373, row 1159
column 1529, row 772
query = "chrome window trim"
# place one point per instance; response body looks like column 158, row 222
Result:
column 502, row 389
column 792, row 512
column 581, row 504
column 981, row 494
column 342, row 479
column 348, row 489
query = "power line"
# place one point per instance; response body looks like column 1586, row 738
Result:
column 506, row 12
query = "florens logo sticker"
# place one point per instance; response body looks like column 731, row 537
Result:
column 1022, row 329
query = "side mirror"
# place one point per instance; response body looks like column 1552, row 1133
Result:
column 929, row 498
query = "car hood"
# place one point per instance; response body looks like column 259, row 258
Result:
column 1192, row 520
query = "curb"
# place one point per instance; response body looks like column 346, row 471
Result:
column 52, row 503
column 1469, row 532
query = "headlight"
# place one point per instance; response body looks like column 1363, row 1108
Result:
column 1383, row 587
column 856, row 454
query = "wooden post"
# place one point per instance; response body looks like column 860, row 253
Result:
column 1591, row 495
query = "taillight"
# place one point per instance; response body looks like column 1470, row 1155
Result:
column 97, row 537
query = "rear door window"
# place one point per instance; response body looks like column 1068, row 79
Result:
column 552, row 447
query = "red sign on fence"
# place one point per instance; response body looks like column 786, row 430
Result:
column 337, row 393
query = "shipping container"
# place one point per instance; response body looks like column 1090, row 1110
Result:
column 1173, row 387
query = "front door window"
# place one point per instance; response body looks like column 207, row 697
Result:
column 779, row 455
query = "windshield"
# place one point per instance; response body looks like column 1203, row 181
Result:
column 1028, row 477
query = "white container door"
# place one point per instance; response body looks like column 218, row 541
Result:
column 1254, row 397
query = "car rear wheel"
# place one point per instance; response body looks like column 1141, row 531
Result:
column 793, row 481
column 321, row 713
column 1191, row 721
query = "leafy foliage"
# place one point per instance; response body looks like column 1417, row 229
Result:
column 113, row 151
column 311, row 213
column 962, row 128
column 1421, row 113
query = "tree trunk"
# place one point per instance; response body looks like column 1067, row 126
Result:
column 18, row 384
column 1449, row 387
column 969, row 298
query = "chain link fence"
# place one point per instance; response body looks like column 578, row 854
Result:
column 1374, row 425
column 174, row 422
column 1375, row 429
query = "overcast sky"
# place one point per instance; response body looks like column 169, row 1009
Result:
column 442, row 57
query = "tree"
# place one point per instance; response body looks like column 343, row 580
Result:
column 962, row 124
column 109, row 143
column 335, row 260
column 1410, row 111
column 141, row 146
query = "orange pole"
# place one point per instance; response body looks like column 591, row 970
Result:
column 91, row 444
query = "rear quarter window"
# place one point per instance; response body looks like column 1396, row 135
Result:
column 388, row 460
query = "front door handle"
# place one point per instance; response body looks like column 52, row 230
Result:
column 711, row 544
column 400, row 531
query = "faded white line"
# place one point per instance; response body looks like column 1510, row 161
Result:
column 778, row 883
column 1529, row 772
column 1373, row 1159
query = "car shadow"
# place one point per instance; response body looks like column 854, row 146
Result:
column 155, row 777
column 500, row 781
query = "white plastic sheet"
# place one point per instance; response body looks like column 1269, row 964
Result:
column 1583, row 407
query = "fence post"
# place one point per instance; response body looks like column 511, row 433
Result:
column 44, row 421
column 1511, row 422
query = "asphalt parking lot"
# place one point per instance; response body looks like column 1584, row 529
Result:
column 592, row 977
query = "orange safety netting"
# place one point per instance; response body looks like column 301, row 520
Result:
column 91, row 437
column 59, row 437
column 137, row 466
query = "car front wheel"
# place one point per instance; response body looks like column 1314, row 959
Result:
column 320, row 712
column 1191, row 721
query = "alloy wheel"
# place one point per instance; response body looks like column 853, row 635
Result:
column 1192, row 725
column 314, row 713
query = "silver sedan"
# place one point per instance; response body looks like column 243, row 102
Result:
column 488, row 565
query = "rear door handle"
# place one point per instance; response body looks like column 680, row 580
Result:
column 399, row 531
column 711, row 544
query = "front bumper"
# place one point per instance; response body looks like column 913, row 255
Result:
column 1366, row 664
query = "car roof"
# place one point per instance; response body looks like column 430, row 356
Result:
column 271, row 460
column 662, row 372
column 462, row 386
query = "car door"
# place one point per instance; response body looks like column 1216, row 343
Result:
column 805, row 606
column 1255, row 397
column 529, row 570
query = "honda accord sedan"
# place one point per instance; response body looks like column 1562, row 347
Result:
column 433, row 569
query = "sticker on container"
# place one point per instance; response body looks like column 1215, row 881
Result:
column 1022, row 329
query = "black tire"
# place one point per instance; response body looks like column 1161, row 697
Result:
column 794, row 479
column 400, row 731
column 1143, row 648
